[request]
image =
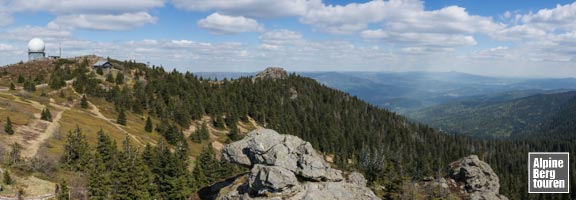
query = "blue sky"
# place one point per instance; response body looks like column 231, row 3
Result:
column 497, row 38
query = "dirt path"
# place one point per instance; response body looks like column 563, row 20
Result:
column 96, row 112
column 34, row 145
column 37, row 131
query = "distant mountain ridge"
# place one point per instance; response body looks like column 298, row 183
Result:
column 405, row 92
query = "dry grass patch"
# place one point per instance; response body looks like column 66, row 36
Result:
column 31, row 185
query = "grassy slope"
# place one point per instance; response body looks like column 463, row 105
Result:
column 18, row 105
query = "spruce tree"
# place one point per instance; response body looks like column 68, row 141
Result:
column 46, row 115
column 84, row 102
column 219, row 122
column 63, row 191
column 12, row 86
column 109, row 78
column 7, row 179
column 141, row 180
column 121, row 118
column 234, row 134
column 20, row 79
column 76, row 151
column 148, row 127
column 204, row 134
column 8, row 127
column 98, row 179
column 106, row 149
column 29, row 86
column 131, row 178
column 195, row 137
column 99, row 71
column 119, row 78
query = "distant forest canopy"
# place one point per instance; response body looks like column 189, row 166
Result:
column 389, row 149
column 518, row 117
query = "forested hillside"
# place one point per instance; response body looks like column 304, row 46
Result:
column 501, row 118
column 386, row 147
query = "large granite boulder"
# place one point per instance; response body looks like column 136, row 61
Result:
column 267, row 147
column 478, row 178
column 468, row 178
column 286, row 167
column 272, row 179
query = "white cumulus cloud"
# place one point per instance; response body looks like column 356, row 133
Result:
column 421, row 40
column 223, row 24
column 84, row 6
column 283, row 36
column 106, row 22
column 250, row 8
column 87, row 14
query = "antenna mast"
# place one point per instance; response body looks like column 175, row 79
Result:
column 59, row 41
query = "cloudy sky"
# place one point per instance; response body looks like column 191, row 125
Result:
column 502, row 38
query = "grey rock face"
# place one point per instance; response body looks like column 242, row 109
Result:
column 286, row 167
column 357, row 179
column 334, row 190
column 272, row 73
column 479, row 179
column 272, row 179
column 267, row 147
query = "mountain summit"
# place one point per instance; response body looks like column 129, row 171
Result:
column 272, row 73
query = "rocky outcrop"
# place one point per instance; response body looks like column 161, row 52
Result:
column 478, row 178
column 272, row 73
column 468, row 178
column 286, row 167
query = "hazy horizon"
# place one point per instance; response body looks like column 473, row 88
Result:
column 514, row 39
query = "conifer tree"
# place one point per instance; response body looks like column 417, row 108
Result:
column 99, row 71
column 110, row 78
column 20, row 79
column 142, row 180
column 106, row 149
column 56, row 81
column 63, row 191
column 204, row 134
column 119, row 78
column 29, row 86
column 46, row 115
column 121, row 118
column 195, row 137
column 12, row 86
column 148, row 127
column 98, row 179
column 8, row 127
column 84, row 102
column 76, row 151
column 219, row 122
column 7, row 179
column 234, row 134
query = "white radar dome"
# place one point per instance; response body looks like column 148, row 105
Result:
column 36, row 45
